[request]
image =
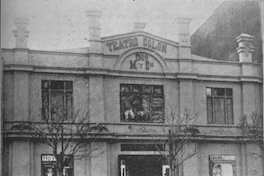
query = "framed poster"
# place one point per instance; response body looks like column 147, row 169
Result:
column 48, row 162
column 166, row 170
column 48, row 165
column 222, row 165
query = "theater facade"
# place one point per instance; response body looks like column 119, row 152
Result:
column 158, row 75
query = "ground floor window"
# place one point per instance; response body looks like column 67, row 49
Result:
column 48, row 165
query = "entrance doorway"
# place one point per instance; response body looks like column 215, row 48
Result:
column 141, row 165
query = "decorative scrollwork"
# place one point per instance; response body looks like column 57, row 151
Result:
column 248, row 46
column 140, row 129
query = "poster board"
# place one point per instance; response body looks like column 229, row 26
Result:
column 222, row 165
column 48, row 162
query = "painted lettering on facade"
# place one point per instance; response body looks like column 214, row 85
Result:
column 155, row 45
column 48, row 158
column 222, row 157
column 133, row 42
column 122, row 44
column 141, row 62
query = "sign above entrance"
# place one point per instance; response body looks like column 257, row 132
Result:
column 137, row 42
column 222, row 157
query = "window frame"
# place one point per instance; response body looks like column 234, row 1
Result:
column 49, row 90
column 141, row 93
column 226, row 111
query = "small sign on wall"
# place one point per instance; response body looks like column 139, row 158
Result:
column 48, row 165
column 222, row 165
column 166, row 170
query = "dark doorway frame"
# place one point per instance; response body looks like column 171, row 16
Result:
column 142, row 163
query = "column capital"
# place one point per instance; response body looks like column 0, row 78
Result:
column 184, row 37
column 184, row 25
column 245, row 47
column 94, row 24
column 244, row 37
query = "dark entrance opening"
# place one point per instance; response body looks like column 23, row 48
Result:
column 141, row 165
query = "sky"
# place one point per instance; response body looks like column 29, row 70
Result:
column 63, row 24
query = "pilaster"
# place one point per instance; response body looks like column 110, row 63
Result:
column 21, row 79
column 95, row 43
column 245, row 50
column 21, row 56
column 185, row 65
column 245, row 47
column 244, row 159
column 21, row 158
column 184, row 37
column 96, row 99
column 21, row 95
column 99, row 163
column 191, row 166
column 248, row 99
column 186, row 96
column 21, row 33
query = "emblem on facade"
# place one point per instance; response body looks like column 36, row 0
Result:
column 140, row 129
column 141, row 62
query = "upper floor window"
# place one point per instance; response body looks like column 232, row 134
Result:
column 57, row 98
column 141, row 103
column 219, row 106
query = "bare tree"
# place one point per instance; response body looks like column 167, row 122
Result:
column 67, row 136
column 178, row 138
column 252, row 129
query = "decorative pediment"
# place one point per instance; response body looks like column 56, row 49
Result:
column 117, row 45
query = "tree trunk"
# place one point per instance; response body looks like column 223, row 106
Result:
column 174, row 170
column 59, row 173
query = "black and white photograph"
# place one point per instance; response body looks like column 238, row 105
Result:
column 132, row 88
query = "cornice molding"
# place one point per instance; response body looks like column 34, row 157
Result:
column 139, row 136
column 123, row 73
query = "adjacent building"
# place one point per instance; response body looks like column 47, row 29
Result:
column 215, row 37
column 158, row 74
